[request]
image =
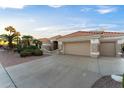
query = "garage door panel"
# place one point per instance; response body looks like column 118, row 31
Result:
column 77, row 48
column 107, row 49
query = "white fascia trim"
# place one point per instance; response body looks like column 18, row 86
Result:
column 60, row 43
column 95, row 41
column 119, row 53
column 95, row 53
column 120, row 41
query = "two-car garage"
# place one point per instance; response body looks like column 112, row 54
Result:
column 83, row 48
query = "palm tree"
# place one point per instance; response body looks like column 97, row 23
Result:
column 37, row 43
column 10, row 36
column 17, row 38
column 26, row 39
column 3, row 37
column 40, row 44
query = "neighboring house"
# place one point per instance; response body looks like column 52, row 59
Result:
column 94, row 43
column 45, row 41
column 50, row 43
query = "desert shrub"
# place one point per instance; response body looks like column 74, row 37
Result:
column 32, row 47
column 18, row 48
column 25, row 53
column 29, row 47
column 38, row 52
column 30, row 50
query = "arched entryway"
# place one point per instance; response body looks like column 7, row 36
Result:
column 55, row 45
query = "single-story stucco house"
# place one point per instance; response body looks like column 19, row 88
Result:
column 92, row 43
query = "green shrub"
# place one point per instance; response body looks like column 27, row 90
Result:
column 29, row 47
column 25, row 53
column 38, row 52
column 19, row 48
column 30, row 50
column 32, row 47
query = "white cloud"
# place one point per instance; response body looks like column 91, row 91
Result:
column 49, row 31
column 105, row 9
column 86, row 9
column 11, row 4
column 61, row 27
column 55, row 6
column 43, row 28
column 108, row 25
column 90, row 29
column 100, row 9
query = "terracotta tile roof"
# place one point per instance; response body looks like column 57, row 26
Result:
column 112, row 34
column 44, row 40
column 55, row 37
column 88, row 33
column 47, row 40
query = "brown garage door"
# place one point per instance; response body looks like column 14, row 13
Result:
column 77, row 48
column 107, row 49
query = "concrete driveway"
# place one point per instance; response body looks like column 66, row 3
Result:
column 64, row 71
column 5, row 81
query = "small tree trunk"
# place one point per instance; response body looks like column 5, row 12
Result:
column 28, row 43
column 36, row 45
column 10, row 43
column 17, row 41
column 10, row 39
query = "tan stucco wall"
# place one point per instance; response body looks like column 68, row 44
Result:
column 77, row 48
column 79, row 38
column 108, row 49
column 93, row 50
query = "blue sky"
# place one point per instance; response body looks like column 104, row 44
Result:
column 46, row 21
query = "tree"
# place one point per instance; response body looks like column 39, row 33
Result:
column 10, row 36
column 40, row 44
column 26, row 39
column 37, row 43
column 17, row 37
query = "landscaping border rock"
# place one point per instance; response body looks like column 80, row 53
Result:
column 107, row 82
